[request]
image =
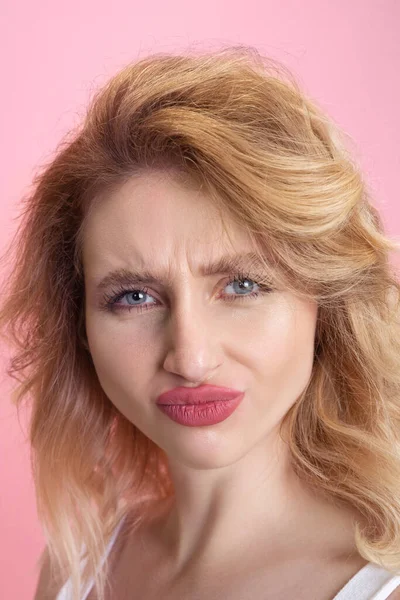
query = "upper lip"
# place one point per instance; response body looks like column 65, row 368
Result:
column 199, row 395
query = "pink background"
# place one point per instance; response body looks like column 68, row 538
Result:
column 345, row 54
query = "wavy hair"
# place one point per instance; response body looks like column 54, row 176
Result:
column 269, row 156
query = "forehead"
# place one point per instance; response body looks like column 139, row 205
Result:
column 155, row 216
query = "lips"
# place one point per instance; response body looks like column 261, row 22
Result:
column 200, row 395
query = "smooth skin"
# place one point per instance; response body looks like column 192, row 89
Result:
column 241, row 525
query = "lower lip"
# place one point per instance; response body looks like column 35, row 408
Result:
column 196, row 415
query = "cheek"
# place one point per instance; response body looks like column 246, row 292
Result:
column 124, row 360
column 277, row 347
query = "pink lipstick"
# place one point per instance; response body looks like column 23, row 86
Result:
column 204, row 405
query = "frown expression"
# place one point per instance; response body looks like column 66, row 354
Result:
column 189, row 324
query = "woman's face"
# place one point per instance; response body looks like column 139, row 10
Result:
column 188, row 325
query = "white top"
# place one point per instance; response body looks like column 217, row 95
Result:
column 372, row 582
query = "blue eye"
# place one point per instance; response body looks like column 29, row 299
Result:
column 243, row 289
column 242, row 285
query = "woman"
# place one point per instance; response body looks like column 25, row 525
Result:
column 206, row 323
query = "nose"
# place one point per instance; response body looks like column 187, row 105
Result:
column 192, row 351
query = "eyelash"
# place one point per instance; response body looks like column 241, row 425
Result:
column 110, row 300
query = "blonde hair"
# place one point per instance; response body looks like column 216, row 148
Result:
column 237, row 122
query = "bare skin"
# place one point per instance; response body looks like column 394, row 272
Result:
column 242, row 525
column 317, row 567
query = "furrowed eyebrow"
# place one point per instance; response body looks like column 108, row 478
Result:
column 224, row 265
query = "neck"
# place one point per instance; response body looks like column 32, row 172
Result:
column 255, row 507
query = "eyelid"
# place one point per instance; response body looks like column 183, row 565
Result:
column 261, row 280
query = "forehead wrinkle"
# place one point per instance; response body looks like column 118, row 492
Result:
column 226, row 264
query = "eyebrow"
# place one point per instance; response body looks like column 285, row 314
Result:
column 224, row 265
